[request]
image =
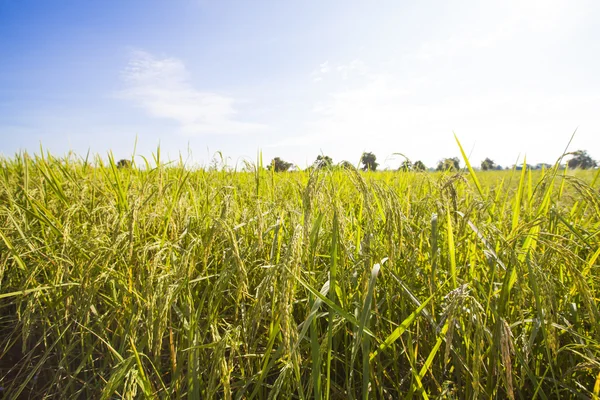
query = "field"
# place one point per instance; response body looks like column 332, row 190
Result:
column 167, row 282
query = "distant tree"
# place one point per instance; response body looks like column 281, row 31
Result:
column 419, row 166
column 448, row 164
column 346, row 165
column 488, row 165
column 323, row 162
column 406, row 166
column 519, row 167
column 543, row 166
column 581, row 159
column 124, row 163
column 369, row 162
column 278, row 165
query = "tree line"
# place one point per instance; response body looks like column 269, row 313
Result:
column 579, row 159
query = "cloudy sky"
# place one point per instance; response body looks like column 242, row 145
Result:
column 300, row 78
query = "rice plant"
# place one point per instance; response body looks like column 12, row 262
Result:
column 158, row 281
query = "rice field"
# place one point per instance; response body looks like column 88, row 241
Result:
column 158, row 281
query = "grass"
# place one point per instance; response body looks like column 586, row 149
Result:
column 171, row 283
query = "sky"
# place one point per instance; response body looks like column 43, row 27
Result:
column 296, row 79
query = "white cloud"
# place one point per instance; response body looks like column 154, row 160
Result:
column 162, row 88
column 497, row 22
column 355, row 66
column 495, row 76
column 343, row 71
column 387, row 113
column 324, row 68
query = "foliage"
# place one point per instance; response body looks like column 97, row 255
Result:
column 581, row 159
column 165, row 283
column 347, row 165
column 488, row 164
column 448, row 164
column 323, row 162
column 419, row 166
column 405, row 166
column 123, row 163
column 369, row 161
column 279, row 165
column 543, row 166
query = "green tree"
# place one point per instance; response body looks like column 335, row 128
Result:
column 347, row 165
column 448, row 164
column 406, row 166
column 581, row 159
column 543, row 166
column 323, row 162
column 279, row 165
column 419, row 166
column 488, row 164
column 369, row 161
column 124, row 163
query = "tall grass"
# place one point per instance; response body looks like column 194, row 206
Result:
column 161, row 282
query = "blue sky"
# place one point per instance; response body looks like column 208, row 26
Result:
column 300, row 78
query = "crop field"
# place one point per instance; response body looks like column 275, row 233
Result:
column 167, row 282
